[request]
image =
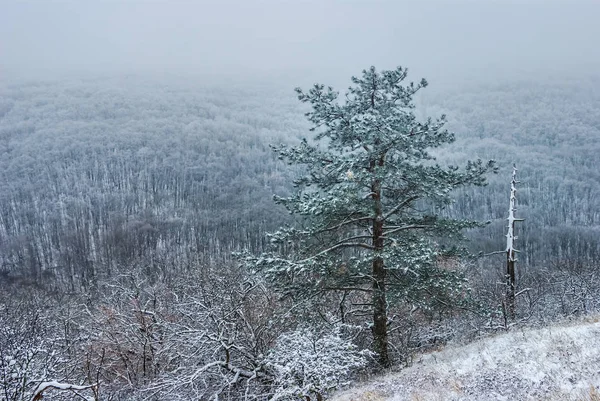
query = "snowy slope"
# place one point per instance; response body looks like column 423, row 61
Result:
column 553, row 363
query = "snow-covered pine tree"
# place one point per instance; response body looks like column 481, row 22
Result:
column 365, row 174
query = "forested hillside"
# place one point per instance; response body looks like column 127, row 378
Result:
column 122, row 201
column 100, row 173
column 551, row 131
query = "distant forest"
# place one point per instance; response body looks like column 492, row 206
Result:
column 98, row 175
column 550, row 131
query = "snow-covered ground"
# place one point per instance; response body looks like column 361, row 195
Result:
column 553, row 363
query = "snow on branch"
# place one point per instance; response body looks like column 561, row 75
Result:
column 308, row 363
column 43, row 386
column 338, row 246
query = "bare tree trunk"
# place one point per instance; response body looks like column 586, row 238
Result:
column 510, row 248
column 510, row 285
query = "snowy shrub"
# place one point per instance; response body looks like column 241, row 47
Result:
column 308, row 363
column 28, row 353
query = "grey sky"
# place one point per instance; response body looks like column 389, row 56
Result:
column 321, row 38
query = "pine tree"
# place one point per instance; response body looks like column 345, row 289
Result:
column 368, row 178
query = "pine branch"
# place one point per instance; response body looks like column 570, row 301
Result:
column 403, row 228
column 339, row 246
column 354, row 238
column 342, row 224
column 399, row 206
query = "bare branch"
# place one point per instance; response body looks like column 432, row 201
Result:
column 38, row 393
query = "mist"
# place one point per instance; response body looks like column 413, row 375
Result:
column 321, row 40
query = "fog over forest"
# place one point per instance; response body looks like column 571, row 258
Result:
column 442, row 40
column 178, row 222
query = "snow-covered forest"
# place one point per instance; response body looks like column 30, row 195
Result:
column 124, row 199
column 256, row 200
column 99, row 173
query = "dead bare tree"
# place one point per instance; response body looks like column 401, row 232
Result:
column 510, row 249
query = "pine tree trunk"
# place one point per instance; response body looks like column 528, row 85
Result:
column 380, row 333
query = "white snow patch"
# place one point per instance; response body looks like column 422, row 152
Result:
column 553, row 363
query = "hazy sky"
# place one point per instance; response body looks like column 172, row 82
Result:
column 320, row 38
